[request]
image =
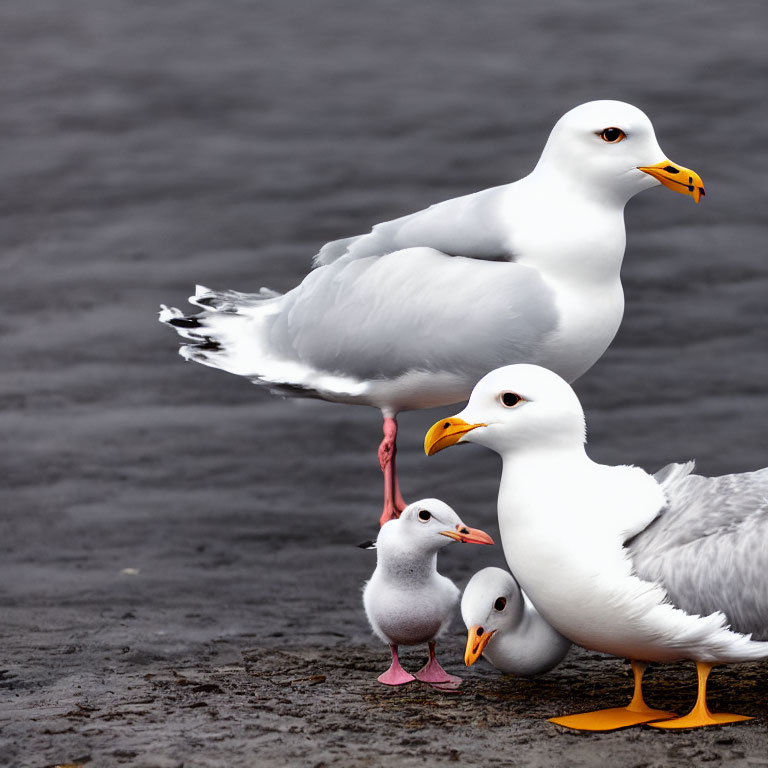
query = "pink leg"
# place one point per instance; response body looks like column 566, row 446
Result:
column 432, row 672
column 393, row 501
column 400, row 504
column 395, row 675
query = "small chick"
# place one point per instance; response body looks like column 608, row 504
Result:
column 505, row 627
column 407, row 601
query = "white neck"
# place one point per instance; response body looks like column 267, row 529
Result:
column 528, row 646
column 400, row 560
column 566, row 456
column 561, row 486
column 586, row 236
column 579, row 260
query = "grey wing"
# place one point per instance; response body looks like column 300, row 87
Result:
column 473, row 225
column 709, row 546
column 415, row 309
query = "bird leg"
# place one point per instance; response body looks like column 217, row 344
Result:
column 400, row 503
column 635, row 713
column 432, row 672
column 700, row 714
column 393, row 501
column 395, row 675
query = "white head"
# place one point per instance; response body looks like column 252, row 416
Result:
column 609, row 149
column 492, row 602
column 518, row 407
column 427, row 526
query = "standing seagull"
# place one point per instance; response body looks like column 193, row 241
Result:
column 505, row 627
column 535, row 265
column 653, row 568
column 406, row 600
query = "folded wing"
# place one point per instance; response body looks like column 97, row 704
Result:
column 475, row 226
column 709, row 547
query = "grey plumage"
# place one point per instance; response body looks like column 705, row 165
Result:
column 472, row 225
column 708, row 546
column 358, row 333
column 343, row 322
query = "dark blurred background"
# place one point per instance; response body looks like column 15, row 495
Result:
column 146, row 147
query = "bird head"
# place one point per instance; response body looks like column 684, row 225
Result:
column 430, row 524
column 492, row 603
column 610, row 149
column 513, row 408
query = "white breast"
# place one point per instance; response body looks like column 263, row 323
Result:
column 410, row 613
column 563, row 540
column 580, row 260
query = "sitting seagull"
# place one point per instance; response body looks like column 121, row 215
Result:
column 376, row 323
column 406, row 600
column 653, row 568
column 503, row 626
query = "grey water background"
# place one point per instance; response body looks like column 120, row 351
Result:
column 157, row 506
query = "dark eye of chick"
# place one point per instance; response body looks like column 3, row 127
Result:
column 500, row 604
column 424, row 515
column 510, row 399
column 612, row 135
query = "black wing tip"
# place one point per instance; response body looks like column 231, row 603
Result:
column 185, row 322
column 209, row 345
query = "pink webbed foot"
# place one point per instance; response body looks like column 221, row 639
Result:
column 433, row 673
column 395, row 675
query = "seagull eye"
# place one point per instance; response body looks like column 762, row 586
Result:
column 510, row 399
column 612, row 135
column 500, row 604
column 424, row 515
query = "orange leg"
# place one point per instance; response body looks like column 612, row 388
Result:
column 700, row 715
column 635, row 713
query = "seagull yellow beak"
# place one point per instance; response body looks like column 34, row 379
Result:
column 468, row 535
column 676, row 177
column 446, row 432
column 477, row 639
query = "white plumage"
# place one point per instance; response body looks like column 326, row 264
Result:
column 407, row 601
column 381, row 321
column 615, row 559
column 504, row 626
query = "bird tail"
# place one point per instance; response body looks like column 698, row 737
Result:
column 233, row 302
column 212, row 334
column 236, row 333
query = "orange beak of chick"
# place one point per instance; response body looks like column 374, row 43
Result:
column 468, row 535
column 477, row 639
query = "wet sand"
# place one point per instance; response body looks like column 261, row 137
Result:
column 179, row 580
